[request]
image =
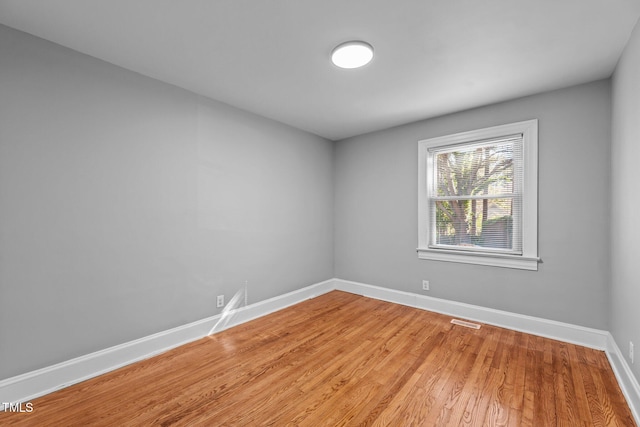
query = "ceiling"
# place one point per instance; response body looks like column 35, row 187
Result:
column 272, row 57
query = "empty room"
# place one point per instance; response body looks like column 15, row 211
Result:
column 319, row 213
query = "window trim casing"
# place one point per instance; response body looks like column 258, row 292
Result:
column 529, row 258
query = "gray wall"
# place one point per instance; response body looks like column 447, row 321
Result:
column 127, row 205
column 376, row 210
column 625, row 206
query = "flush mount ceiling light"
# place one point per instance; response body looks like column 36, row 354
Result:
column 353, row 54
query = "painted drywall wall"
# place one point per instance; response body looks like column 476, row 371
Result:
column 376, row 210
column 625, row 201
column 128, row 204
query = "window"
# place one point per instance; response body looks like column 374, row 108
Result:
column 478, row 197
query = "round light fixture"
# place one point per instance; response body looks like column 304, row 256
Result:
column 353, row 54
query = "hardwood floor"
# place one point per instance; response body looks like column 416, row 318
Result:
column 342, row 359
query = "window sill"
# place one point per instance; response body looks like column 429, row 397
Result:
column 494, row 260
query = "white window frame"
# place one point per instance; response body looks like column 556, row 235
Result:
column 528, row 260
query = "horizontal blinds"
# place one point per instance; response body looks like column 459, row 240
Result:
column 476, row 195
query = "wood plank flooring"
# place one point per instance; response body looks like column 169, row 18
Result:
column 342, row 360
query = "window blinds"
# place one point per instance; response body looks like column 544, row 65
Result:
column 475, row 193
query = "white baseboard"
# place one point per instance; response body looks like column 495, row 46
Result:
column 25, row 387
column 626, row 380
column 587, row 337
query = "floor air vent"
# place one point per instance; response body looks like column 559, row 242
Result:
column 465, row 324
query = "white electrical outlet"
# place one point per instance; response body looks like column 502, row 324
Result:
column 425, row 285
column 631, row 351
column 220, row 301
